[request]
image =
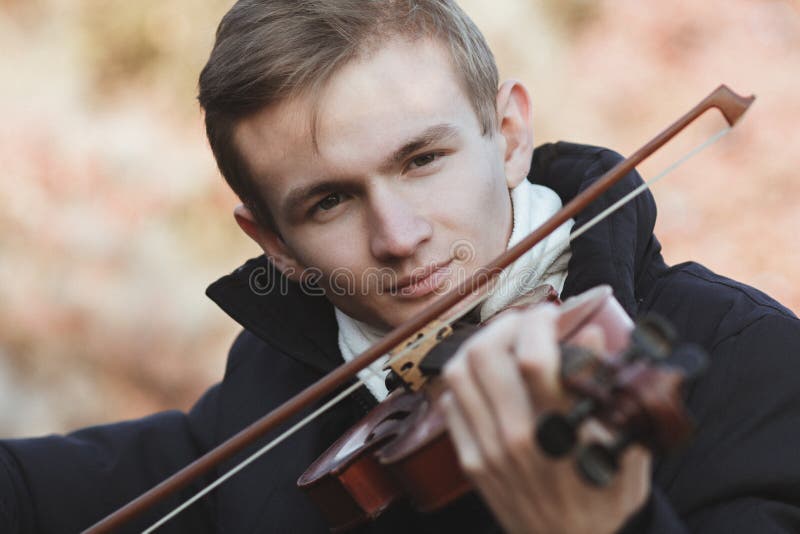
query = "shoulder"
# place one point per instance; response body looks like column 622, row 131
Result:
column 252, row 360
column 751, row 339
column 710, row 309
column 571, row 159
column 568, row 168
column 258, row 377
column 565, row 153
column 745, row 405
column 245, row 348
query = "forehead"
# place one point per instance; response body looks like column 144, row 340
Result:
column 371, row 105
column 394, row 87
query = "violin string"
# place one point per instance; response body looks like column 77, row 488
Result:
column 646, row 185
column 452, row 318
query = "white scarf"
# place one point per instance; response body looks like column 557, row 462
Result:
column 546, row 263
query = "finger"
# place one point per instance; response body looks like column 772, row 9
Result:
column 591, row 337
column 474, row 409
column 470, row 457
column 593, row 430
column 538, row 355
column 632, row 486
column 498, row 376
column 467, row 448
column 635, row 464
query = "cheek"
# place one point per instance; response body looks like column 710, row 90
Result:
column 330, row 250
column 491, row 222
column 481, row 195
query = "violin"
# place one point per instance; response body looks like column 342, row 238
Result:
column 635, row 387
column 401, row 450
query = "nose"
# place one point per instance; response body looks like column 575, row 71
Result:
column 397, row 229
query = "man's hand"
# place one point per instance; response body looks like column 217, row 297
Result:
column 499, row 381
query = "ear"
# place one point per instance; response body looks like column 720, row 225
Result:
column 514, row 125
column 270, row 242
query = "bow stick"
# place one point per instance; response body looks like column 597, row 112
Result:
column 732, row 107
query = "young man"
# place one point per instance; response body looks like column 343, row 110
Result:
column 368, row 137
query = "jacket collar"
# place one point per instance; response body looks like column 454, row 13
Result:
column 620, row 251
column 280, row 312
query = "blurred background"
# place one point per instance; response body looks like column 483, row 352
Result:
column 113, row 218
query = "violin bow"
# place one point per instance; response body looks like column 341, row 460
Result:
column 731, row 105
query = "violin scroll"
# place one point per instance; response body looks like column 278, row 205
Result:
column 637, row 393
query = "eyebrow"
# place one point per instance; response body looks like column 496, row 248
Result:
column 427, row 137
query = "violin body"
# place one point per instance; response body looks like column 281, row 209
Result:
column 402, row 450
column 369, row 468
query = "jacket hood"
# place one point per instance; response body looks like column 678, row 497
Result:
column 620, row 251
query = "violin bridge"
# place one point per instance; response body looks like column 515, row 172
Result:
column 405, row 358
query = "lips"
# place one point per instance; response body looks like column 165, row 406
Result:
column 421, row 282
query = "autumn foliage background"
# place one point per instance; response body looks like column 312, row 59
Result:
column 113, row 218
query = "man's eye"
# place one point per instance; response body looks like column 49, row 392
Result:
column 329, row 202
column 425, row 159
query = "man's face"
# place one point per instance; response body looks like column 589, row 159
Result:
column 401, row 181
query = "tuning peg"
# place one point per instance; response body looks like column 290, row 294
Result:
column 652, row 339
column 598, row 463
column 557, row 434
column 393, row 381
column 691, row 359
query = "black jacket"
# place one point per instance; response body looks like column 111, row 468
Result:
column 741, row 473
